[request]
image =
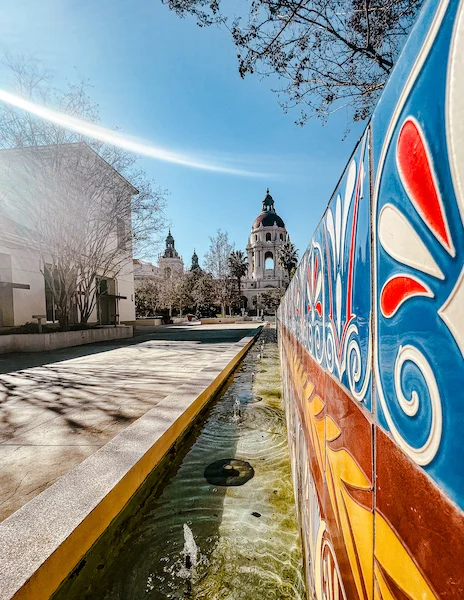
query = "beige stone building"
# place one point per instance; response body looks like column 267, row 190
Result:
column 24, row 292
column 144, row 269
column 268, row 234
column 169, row 263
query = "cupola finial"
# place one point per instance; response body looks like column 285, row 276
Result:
column 268, row 202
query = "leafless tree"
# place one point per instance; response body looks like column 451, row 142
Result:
column 203, row 291
column 329, row 53
column 83, row 205
column 147, row 297
column 75, row 211
column 172, row 290
column 217, row 263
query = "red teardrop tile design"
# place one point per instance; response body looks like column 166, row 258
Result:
column 417, row 177
column 397, row 290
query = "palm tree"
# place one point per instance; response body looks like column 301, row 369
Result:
column 238, row 267
column 288, row 257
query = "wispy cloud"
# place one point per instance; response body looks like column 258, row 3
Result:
column 127, row 142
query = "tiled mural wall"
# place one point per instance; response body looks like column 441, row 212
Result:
column 372, row 341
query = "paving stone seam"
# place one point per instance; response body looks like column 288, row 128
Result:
column 34, row 533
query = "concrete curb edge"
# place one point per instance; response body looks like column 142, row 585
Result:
column 42, row 542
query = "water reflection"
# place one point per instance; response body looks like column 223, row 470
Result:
column 196, row 537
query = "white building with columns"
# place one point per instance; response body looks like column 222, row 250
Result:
column 268, row 234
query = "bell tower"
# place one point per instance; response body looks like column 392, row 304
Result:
column 268, row 234
column 170, row 262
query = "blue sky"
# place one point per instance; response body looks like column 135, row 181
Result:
column 165, row 80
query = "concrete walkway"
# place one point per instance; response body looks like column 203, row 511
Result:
column 57, row 408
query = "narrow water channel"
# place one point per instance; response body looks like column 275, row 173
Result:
column 221, row 521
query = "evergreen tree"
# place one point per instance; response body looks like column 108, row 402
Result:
column 288, row 258
column 238, row 267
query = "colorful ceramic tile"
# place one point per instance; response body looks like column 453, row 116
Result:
column 419, row 252
column 372, row 338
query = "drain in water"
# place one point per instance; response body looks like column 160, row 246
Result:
column 189, row 533
column 254, row 399
column 228, row 472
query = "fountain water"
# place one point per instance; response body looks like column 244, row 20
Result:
column 230, row 485
column 190, row 550
column 237, row 411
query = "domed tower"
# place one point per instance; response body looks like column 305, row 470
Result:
column 268, row 233
column 170, row 261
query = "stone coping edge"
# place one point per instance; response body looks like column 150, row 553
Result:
column 41, row 342
column 43, row 541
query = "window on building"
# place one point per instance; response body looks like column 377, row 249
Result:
column 268, row 237
column 102, row 287
column 268, row 261
column 256, row 237
column 281, row 236
column 121, row 233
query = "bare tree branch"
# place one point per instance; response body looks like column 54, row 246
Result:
column 327, row 52
column 82, row 204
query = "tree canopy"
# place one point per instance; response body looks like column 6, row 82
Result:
column 328, row 54
column 217, row 264
column 21, row 129
column 288, row 257
column 238, row 266
column 271, row 298
column 66, row 193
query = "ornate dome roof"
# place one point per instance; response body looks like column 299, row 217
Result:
column 267, row 219
column 268, row 215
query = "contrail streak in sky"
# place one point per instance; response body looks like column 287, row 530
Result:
column 118, row 139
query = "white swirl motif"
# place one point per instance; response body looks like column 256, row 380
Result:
column 353, row 362
column 330, row 349
column 309, row 343
column 318, row 343
column 425, row 454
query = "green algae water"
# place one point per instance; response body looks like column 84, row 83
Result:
column 219, row 522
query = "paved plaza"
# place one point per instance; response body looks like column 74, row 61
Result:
column 58, row 407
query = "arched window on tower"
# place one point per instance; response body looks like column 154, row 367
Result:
column 268, row 261
column 268, row 237
column 281, row 236
column 256, row 237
